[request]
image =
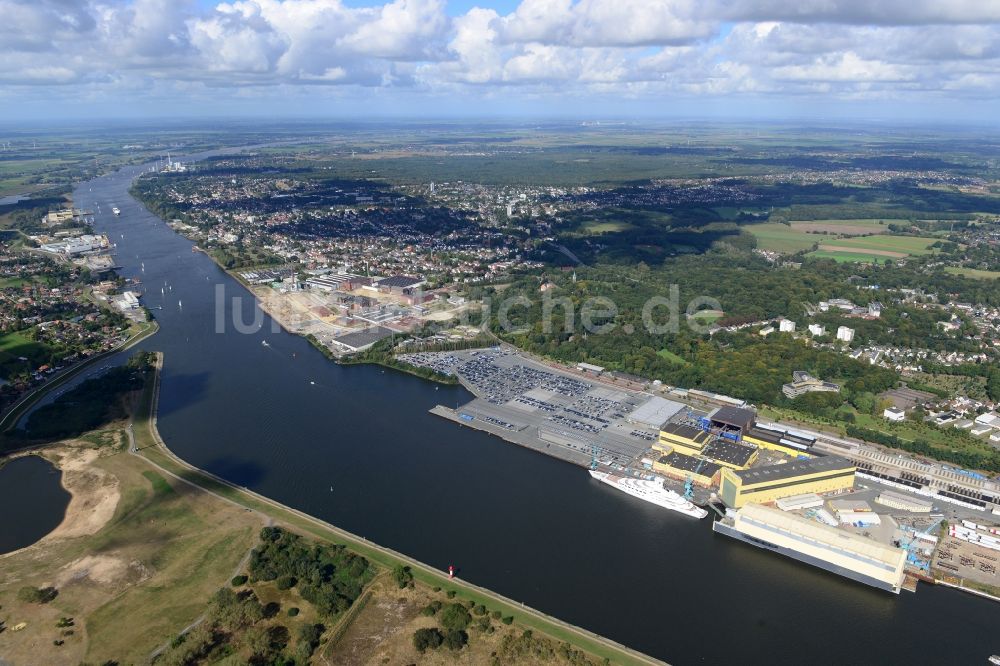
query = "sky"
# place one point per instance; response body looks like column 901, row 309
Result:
column 914, row 60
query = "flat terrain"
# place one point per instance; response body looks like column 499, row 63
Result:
column 973, row 273
column 16, row 345
column 782, row 238
column 136, row 550
column 845, row 227
column 840, row 240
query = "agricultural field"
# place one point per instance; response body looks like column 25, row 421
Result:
column 849, row 256
column 900, row 246
column 856, row 227
column 782, row 238
column 974, row 273
column 840, row 240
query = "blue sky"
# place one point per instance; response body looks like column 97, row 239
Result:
column 907, row 59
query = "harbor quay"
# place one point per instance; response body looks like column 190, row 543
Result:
column 846, row 507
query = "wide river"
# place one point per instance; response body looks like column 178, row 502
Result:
column 355, row 446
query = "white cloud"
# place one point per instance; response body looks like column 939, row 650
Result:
column 543, row 49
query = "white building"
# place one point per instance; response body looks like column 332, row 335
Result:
column 786, row 326
column 904, row 502
column 127, row 301
column 988, row 419
column 817, row 329
column 859, row 518
column 766, row 331
column 845, row 334
column 894, row 414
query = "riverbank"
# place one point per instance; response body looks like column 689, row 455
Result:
column 9, row 420
column 120, row 561
column 149, row 445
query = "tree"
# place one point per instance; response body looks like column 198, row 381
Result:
column 455, row 617
column 402, row 575
column 308, row 640
column 456, row 639
column 37, row 595
column 427, row 638
column 993, row 384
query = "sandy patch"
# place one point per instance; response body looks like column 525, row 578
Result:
column 861, row 250
column 95, row 493
column 103, row 569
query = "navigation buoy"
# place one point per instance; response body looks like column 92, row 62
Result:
column 451, row 571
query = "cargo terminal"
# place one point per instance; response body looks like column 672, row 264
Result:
column 762, row 478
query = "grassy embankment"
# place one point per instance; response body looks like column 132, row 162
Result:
column 151, row 447
column 124, row 561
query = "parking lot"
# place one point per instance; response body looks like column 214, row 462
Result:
column 545, row 409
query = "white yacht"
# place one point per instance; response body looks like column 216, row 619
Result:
column 650, row 491
column 116, row 210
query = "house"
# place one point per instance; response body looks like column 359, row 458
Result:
column 894, row 414
column 817, row 329
column 786, row 326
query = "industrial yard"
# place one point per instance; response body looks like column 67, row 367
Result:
column 855, row 511
column 566, row 416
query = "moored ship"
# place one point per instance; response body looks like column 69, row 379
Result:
column 650, row 491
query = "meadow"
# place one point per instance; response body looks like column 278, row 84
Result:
column 13, row 347
column 974, row 273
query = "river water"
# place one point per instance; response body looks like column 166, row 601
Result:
column 32, row 501
column 355, row 446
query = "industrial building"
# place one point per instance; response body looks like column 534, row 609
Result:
column 904, row 502
column 769, row 483
column 680, row 466
column 337, row 282
column 731, row 422
column 802, row 383
column 682, row 438
column 399, row 284
column 363, row 339
column 779, row 439
column 800, row 502
column 808, row 541
column 730, row 454
column 76, row 246
column 654, row 412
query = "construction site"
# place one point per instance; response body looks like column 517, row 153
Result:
column 349, row 313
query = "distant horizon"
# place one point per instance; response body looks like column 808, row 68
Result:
column 506, row 121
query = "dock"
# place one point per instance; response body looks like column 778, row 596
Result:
column 527, row 436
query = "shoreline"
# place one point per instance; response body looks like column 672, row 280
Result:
column 93, row 493
column 155, row 447
column 28, row 401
